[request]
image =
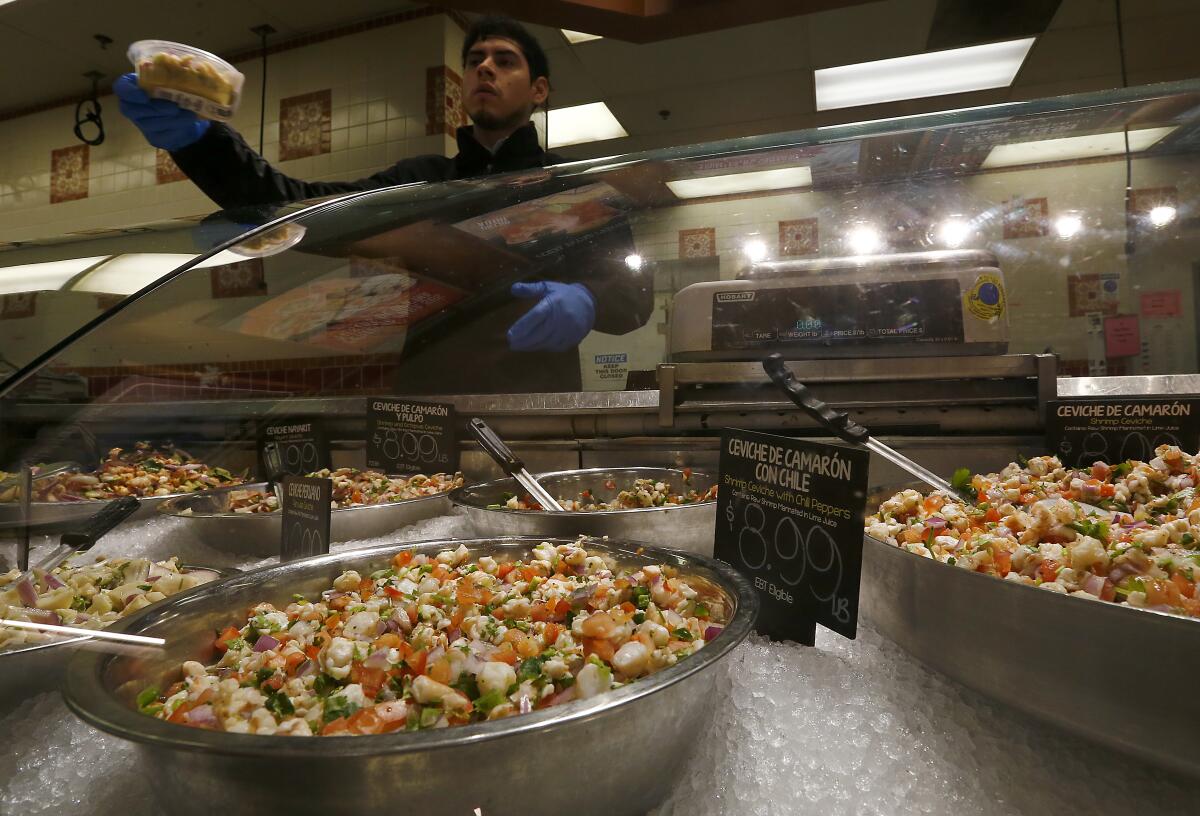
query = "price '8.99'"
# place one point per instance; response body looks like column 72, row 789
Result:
column 801, row 558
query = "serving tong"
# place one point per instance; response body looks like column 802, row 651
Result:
column 840, row 424
column 510, row 464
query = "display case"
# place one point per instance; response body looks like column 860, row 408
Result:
column 943, row 278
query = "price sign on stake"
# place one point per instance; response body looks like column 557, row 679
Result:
column 1084, row 431
column 306, row 516
column 411, row 437
column 303, row 445
column 789, row 516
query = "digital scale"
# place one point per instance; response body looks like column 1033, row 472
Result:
column 937, row 303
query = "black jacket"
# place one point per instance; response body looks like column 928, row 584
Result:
column 469, row 354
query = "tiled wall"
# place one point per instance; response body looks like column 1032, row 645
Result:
column 341, row 108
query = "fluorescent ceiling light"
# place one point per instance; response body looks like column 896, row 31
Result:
column 576, row 37
column 779, row 179
column 592, row 122
column 957, row 70
column 43, row 277
column 1072, row 147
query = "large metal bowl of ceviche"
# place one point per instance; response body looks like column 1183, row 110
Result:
column 514, row 674
column 1081, row 618
column 650, row 504
column 245, row 519
column 88, row 595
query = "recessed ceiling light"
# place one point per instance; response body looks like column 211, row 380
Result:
column 1071, row 148
column 1068, row 225
column 957, row 70
column 592, row 122
column 781, row 178
column 1162, row 215
column 755, row 250
column 954, row 232
column 863, row 239
column 576, row 37
column 44, row 276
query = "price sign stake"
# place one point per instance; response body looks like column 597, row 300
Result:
column 306, row 517
column 302, row 443
column 411, row 437
column 1112, row 429
column 789, row 516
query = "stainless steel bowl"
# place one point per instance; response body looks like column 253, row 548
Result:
column 211, row 522
column 32, row 670
column 689, row 527
column 617, row 753
column 1087, row 666
column 54, row 517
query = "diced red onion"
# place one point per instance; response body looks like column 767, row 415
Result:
column 711, row 632
column 1120, row 572
column 265, row 643
column 377, row 660
column 1135, row 525
column 52, row 581
column 380, row 628
column 436, row 653
column 564, row 696
column 526, row 705
column 305, row 668
column 331, row 595
column 453, row 634
column 1159, row 608
column 935, row 523
column 202, row 715
column 41, row 616
column 26, row 592
column 1094, row 584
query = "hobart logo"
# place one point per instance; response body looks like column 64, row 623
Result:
column 734, row 297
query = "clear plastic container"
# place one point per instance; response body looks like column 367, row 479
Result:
column 191, row 78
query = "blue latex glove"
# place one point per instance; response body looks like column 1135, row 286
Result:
column 162, row 122
column 564, row 316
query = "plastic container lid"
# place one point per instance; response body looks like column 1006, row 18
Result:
column 193, row 79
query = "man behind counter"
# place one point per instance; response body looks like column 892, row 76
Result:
column 505, row 79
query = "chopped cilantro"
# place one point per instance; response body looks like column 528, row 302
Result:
column 1095, row 529
column 1022, row 461
column 951, row 561
column 467, row 685
column 145, row 587
column 639, row 617
column 324, row 684
column 79, row 603
column 567, row 682
column 530, row 669
column 236, row 643
column 338, row 706
column 682, row 634
column 961, row 482
column 298, row 598
column 262, row 675
column 489, row 701
column 1187, row 540
column 280, row 704
column 1122, row 469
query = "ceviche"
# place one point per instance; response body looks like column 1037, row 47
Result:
column 432, row 641
column 141, row 472
column 1037, row 523
column 354, row 488
column 90, row 596
column 642, row 493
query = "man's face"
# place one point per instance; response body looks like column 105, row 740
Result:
column 497, row 91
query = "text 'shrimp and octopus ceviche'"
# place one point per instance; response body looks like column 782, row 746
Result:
column 1037, row 524
column 431, row 641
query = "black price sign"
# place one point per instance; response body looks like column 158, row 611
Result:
column 303, row 446
column 789, row 516
column 411, row 437
column 306, row 515
column 1112, row 429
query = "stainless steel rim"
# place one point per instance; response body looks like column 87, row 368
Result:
column 86, row 695
column 458, row 494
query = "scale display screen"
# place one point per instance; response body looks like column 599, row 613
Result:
column 912, row 311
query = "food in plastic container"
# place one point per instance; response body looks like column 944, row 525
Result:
column 354, row 488
column 193, row 79
column 641, row 493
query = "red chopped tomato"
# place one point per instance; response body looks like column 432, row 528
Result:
column 228, row 634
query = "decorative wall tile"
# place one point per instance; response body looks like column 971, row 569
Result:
column 698, row 243
column 305, row 125
column 240, row 279
column 1085, row 295
column 165, row 168
column 444, row 111
column 68, row 173
column 799, row 237
column 1026, row 218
